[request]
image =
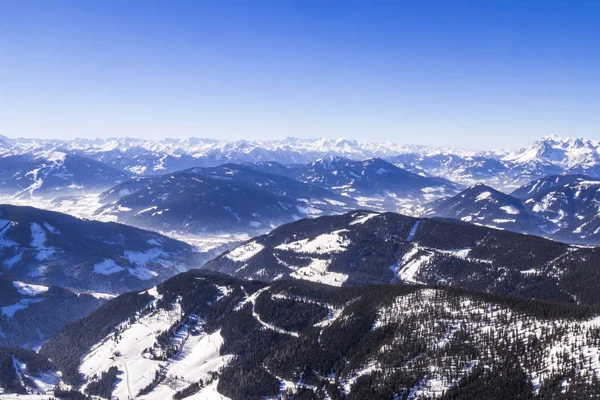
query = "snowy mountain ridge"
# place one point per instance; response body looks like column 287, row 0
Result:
column 200, row 147
column 207, row 336
column 498, row 168
column 365, row 247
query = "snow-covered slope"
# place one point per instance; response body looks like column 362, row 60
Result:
column 375, row 184
column 30, row 314
column 570, row 202
column 483, row 205
column 23, row 371
column 53, row 173
column 572, row 155
column 52, row 248
column 228, row 198
column 214, row 337
column 464, row 169
column 365, row 247
column 561, row 207
column 507, row 170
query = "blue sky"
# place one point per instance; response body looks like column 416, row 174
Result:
column 475, row 74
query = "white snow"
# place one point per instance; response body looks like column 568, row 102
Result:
column 142, row 273
column 317, row 271
column 52, row 229
column 38, row 241
column 409, row 266
column 28, row 289
column 326, row 243
column 363, row 218
column 510, row 210
column 141, row 258
column 483, row 196
column 198, row 355
column 245, row 252
column 107, row 267
column 145, row 210
column 463, row 253
column 38, row 235
column 102, row 296
column 10, row 311
column 531, row 271
column 45, row 381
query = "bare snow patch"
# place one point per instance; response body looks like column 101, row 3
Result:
column 107, row 267
column 27, row 289
column 483, row 196
column 317, row 271
column 409, row 266
column 142, row 257
column 245, row 252
column 10, row 311
column 363, row 218
column 38, row 235
column 510, row 210
column 326, row 243
column 142, row 273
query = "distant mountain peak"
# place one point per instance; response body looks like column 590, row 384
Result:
column 480, row 187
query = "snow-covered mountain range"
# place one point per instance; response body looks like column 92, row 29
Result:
column 228, row 198
column 292, row 178
column 562, row 207
column 499, row 169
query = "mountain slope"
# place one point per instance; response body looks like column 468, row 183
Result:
column 484, row 205
column 570, row 202
column 54, row 172
column 30, row 314
column 51, row 248
column 225, row 198
column 23, row 371
column 365, row 247
column 213, row 336
column 553, row 154
column 374, row 183
column 465, row 169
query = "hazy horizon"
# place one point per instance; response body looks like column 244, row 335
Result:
column 280, row 139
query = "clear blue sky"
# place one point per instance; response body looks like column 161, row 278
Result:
column 476, row 74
